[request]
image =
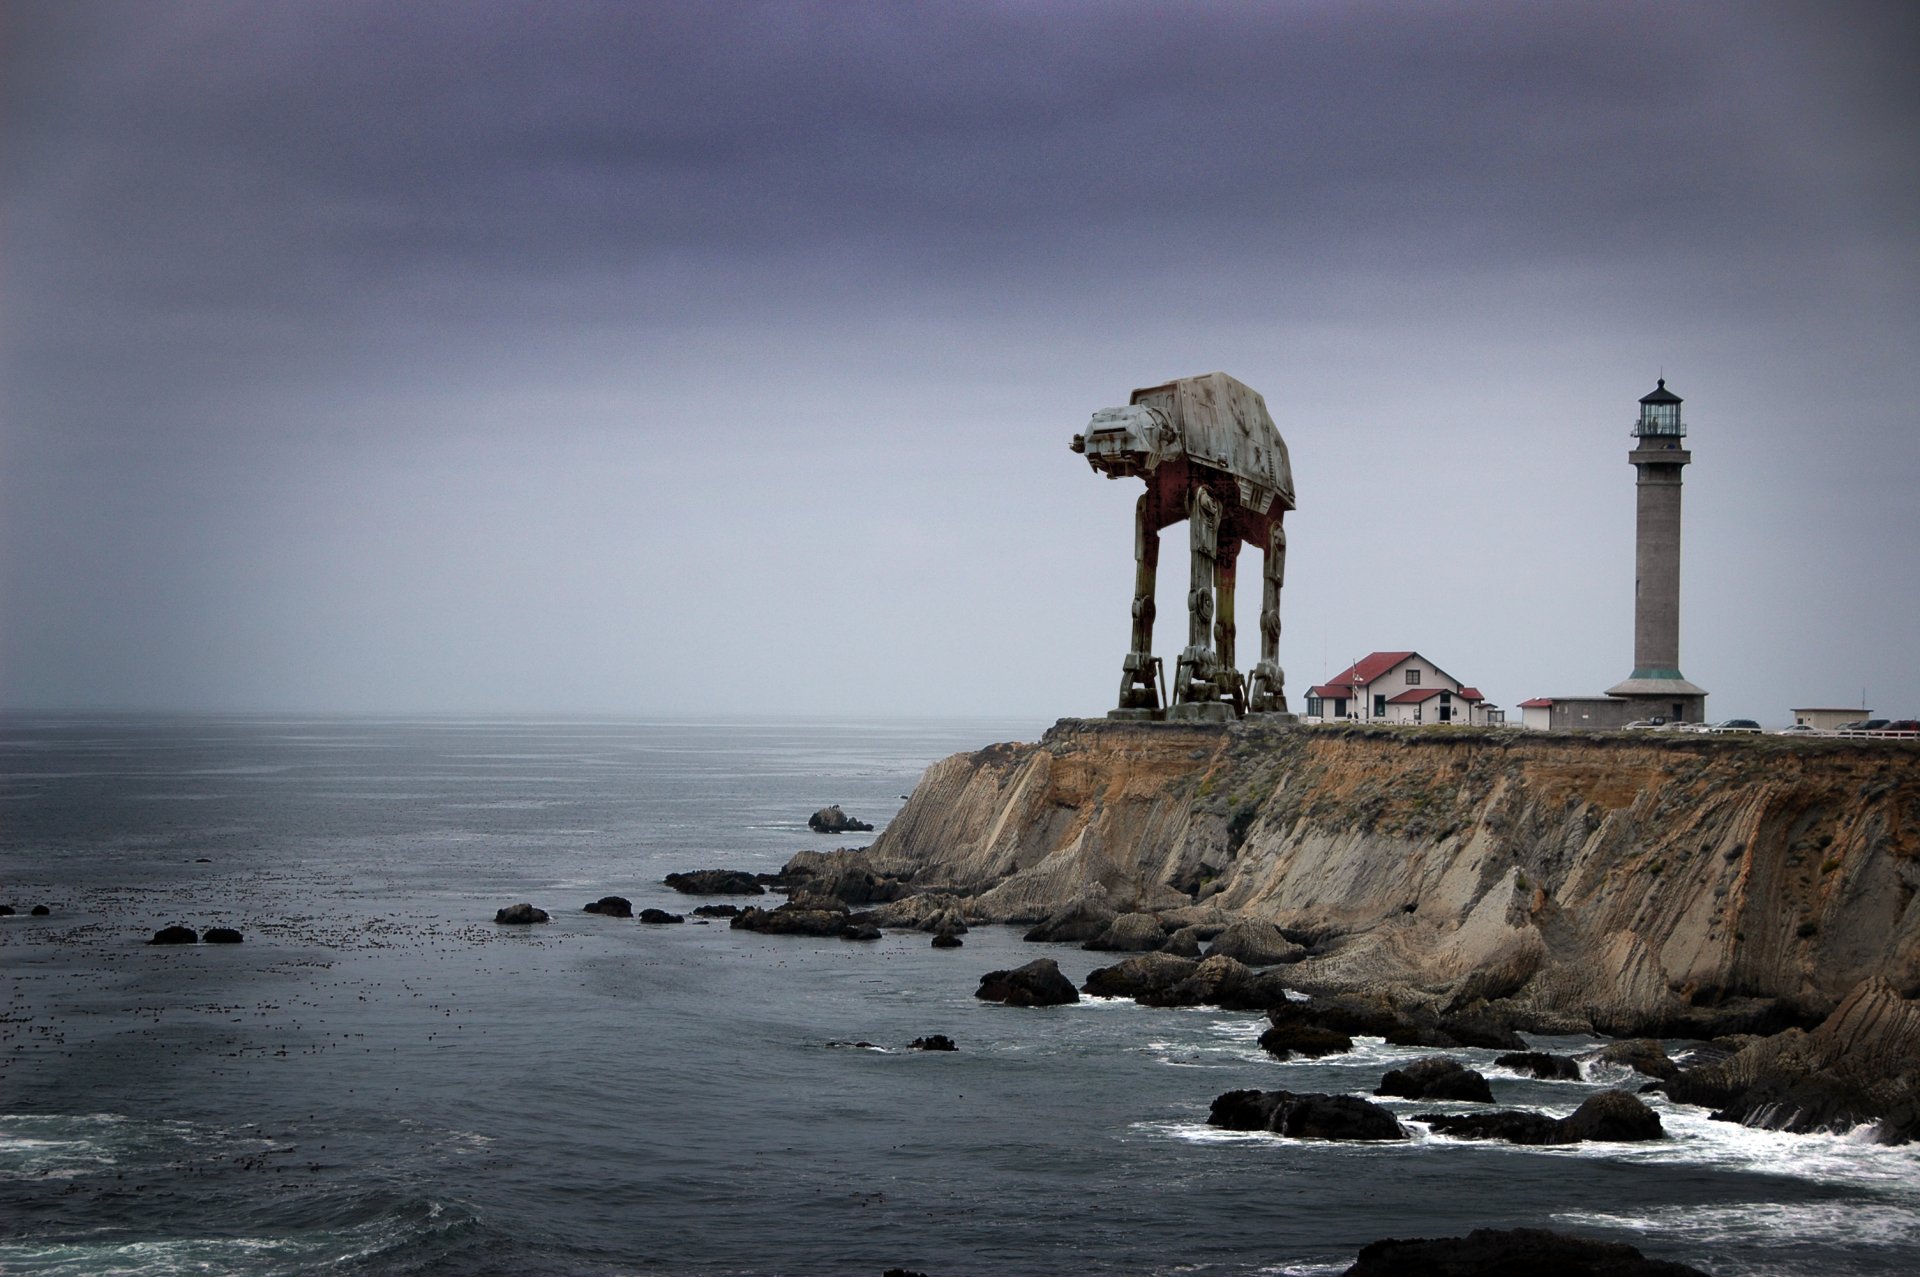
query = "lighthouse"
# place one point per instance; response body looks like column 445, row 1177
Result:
column 1659, row 458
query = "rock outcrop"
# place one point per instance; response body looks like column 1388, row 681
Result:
column 175, row 934
column 520, row 915
column 1613, row 1116
column 1541, row 1064
column 223, row 935
column 1861, row 1066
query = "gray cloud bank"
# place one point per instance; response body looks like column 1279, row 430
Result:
column 722, row 357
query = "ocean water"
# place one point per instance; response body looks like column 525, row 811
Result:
column 380, row 1080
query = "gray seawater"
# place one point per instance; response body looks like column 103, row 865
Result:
column 382, row 1081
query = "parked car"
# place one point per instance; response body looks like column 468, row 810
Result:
column 1736, row 725
column 1864, row 725
column 1681, row 725
column 1644, row 725
column 1800, row 729
column 1903, row 725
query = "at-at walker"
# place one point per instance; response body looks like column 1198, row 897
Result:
column 1210, row 454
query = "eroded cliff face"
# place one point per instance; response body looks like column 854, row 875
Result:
column 1609, row 879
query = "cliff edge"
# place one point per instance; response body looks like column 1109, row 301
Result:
column 1622, row 882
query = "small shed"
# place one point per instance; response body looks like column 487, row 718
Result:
column 1828, row 719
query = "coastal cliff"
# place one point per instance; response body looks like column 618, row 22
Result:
column 1622, row 882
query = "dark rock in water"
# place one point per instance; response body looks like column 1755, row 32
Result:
column 933, row 1042
column 1555, row 1068
column 1613, row 1116
column 716, row 882
column 793, row 919
column 901, row 1272
column 1037, row 984
column 1616, row 1117
column 175, row 935
column 203, row 860
column 1284, row 1041
column 1510, row 1252
column 831, row 820
column 222, row 935
column 1860, row 1066
column 1642, row 1055
column 1080, row 921
column 520, row 914
column 6, row 911
column 40, row 911
column 1130, row 933
column 1304, row 1117
column 659, row 916
column 1136, row 977
column 1436, row 1078
column 1216, row 980
column 858, row 1046
column 946, row 940
column 853, row 885
column 716, row 911
column 611, row 906
column 860, row 931
column 1256, row 943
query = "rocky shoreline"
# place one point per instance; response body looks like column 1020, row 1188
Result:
column 1449, row 887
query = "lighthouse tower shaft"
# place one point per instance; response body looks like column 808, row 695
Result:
column 1656, row 588
column 1659, row 458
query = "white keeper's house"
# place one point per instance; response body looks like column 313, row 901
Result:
column 1399, row 687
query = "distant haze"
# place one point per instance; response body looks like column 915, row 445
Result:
column 470, row 357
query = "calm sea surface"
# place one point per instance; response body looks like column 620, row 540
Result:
column 382, row 1081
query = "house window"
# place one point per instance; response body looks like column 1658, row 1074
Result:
column 1413, row 678
column 1379, row 704
column 1340, row 707
column 1314, row 706
column 1446, row 698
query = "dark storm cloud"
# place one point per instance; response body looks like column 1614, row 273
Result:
column 319, row 158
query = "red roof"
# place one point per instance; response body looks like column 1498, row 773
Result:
column 1470, row 694
column 1415, row 695
column 1368, row 668
column 1538, row 702
column 1332, row 691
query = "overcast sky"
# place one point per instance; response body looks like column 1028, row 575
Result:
column 643, row 358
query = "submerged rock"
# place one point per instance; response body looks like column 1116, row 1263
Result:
column 1310, row 1041
column 175, row 935
column 1134, row 977
column 933, row 1042
column 946, row 940
column 520, row 915
column 611, row 906
column 659, row 917
column 832, row 820
column 1037, row 984
column 1510, row 1252
column 1304, row 1117
column 1436, row 1077
column 716, row 911
column 40, row 911
column 222, row 935
column 715, row 882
